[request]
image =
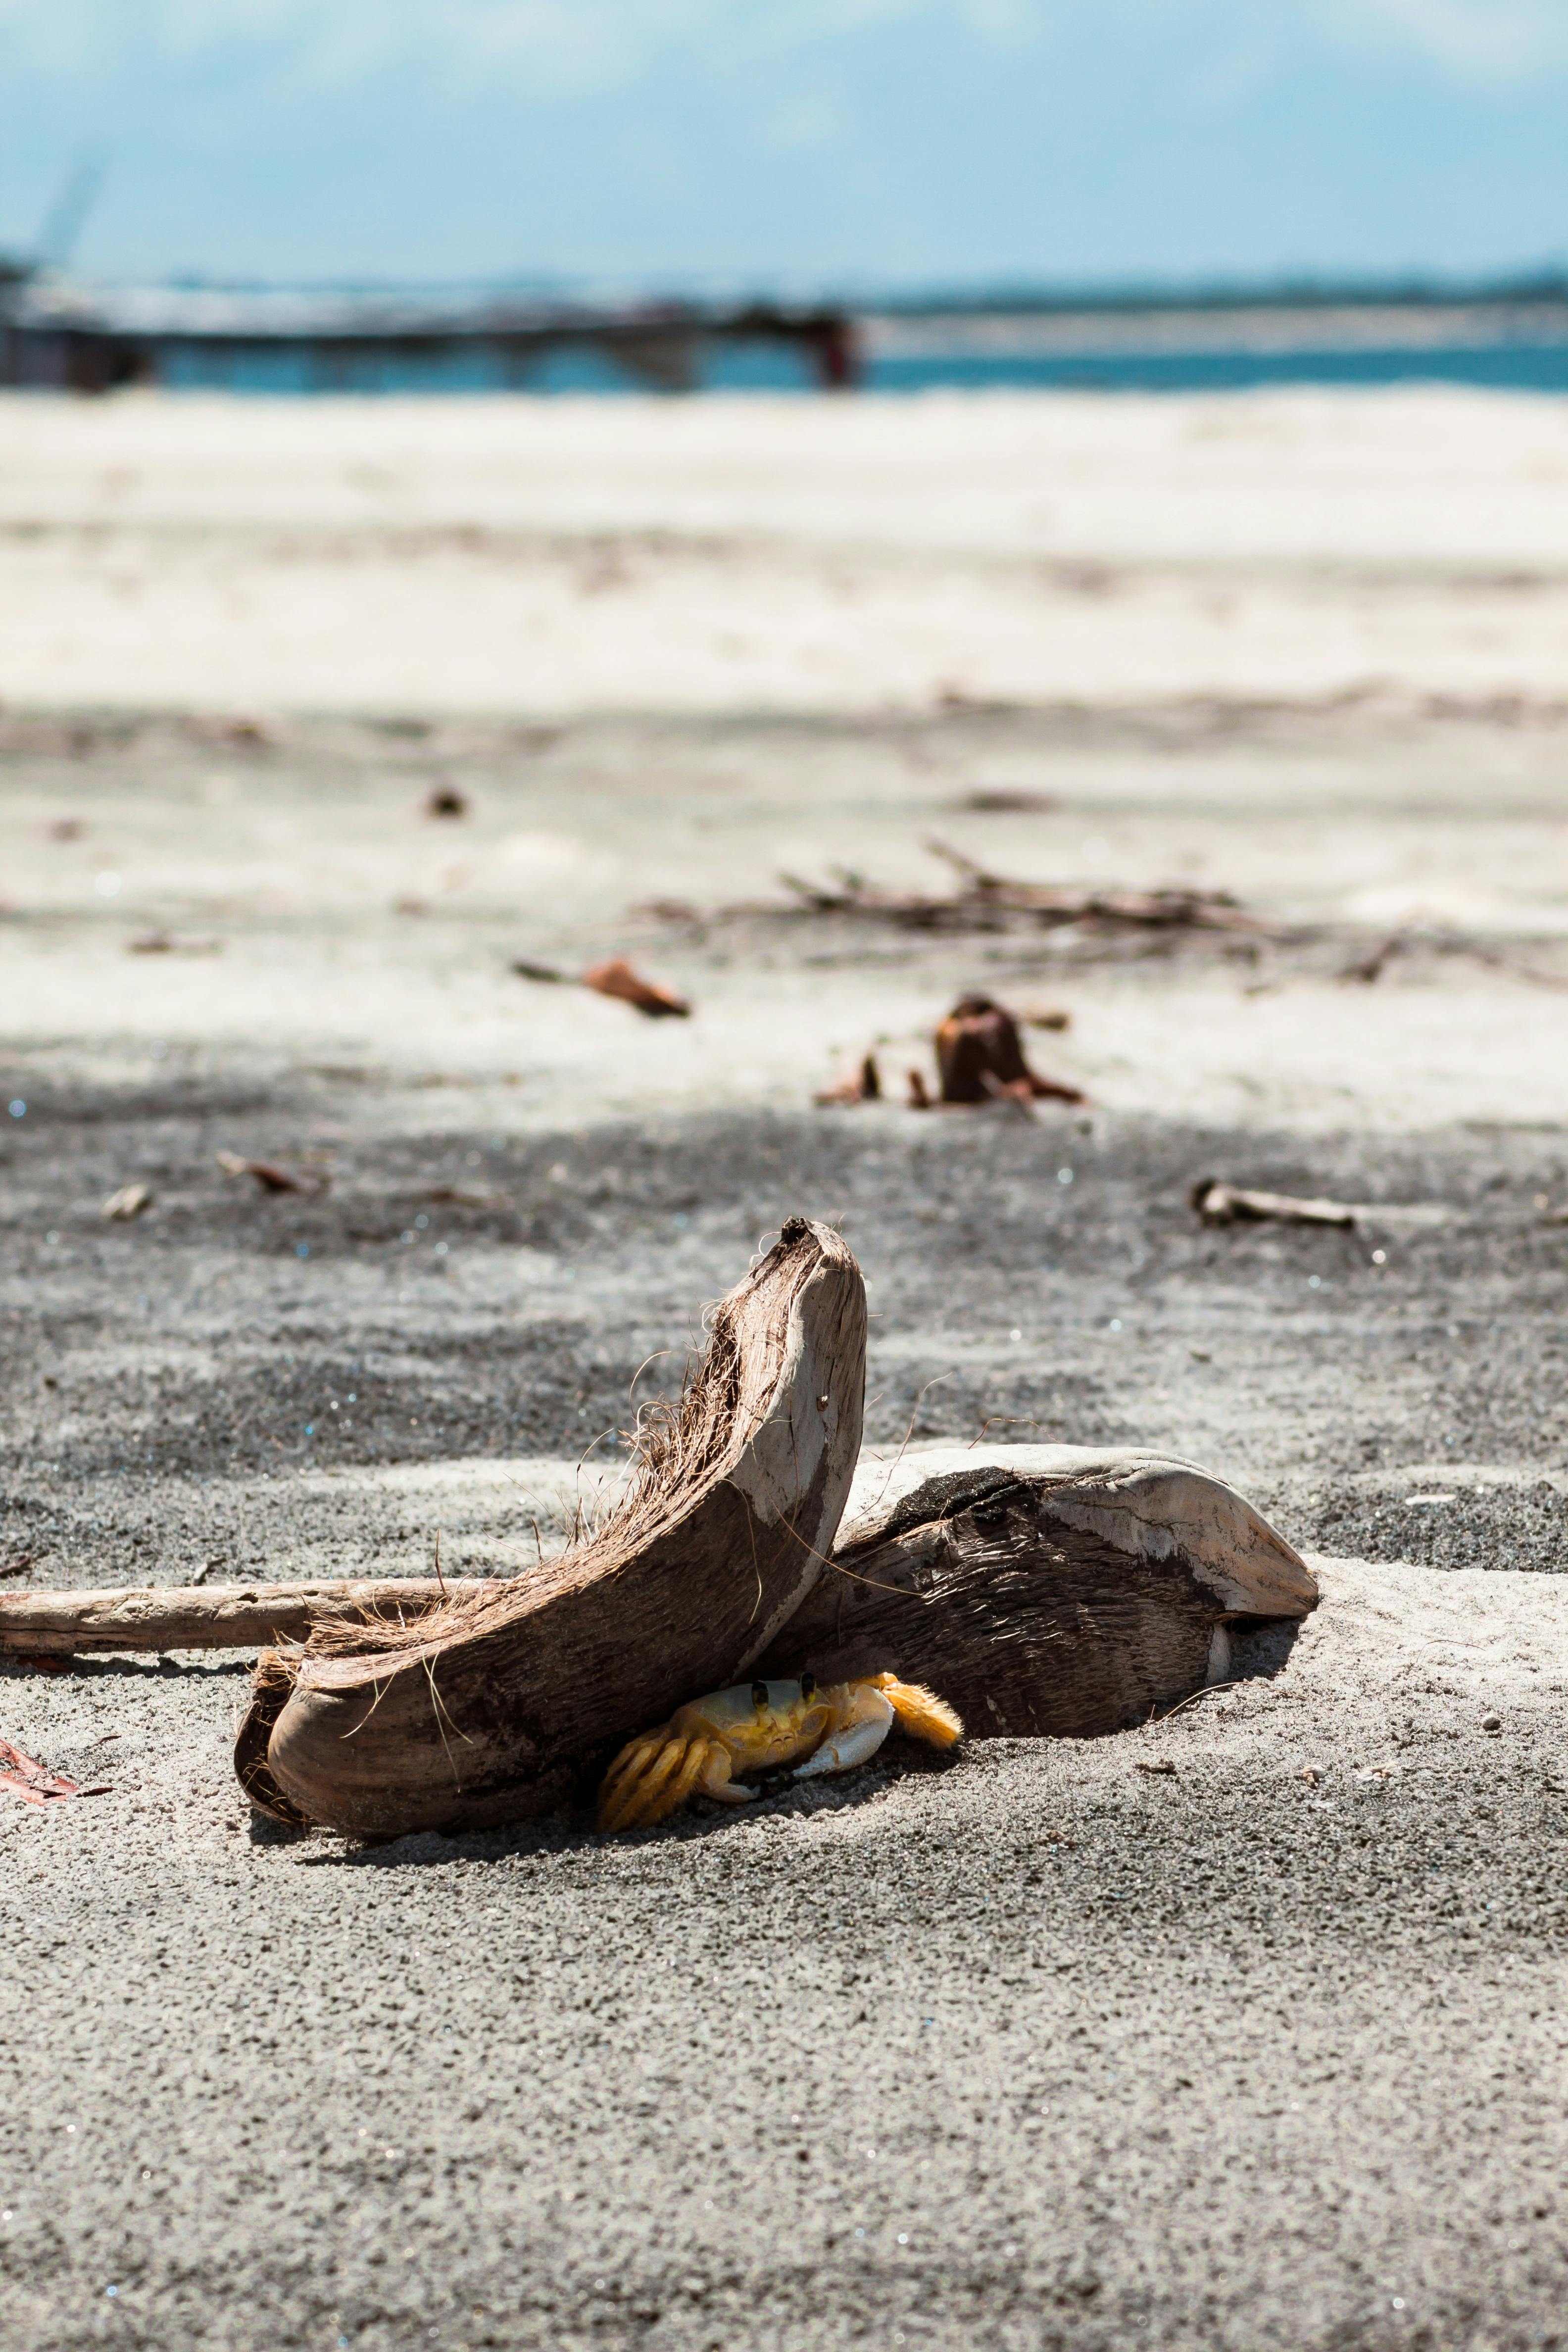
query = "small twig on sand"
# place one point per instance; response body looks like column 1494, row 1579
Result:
column 1371, row 966
column 1229, row 1204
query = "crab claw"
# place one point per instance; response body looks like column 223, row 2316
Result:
column 920, row 1711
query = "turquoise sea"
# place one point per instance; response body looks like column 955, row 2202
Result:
column 903, row 362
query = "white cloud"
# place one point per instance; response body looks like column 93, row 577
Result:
column 557, row 43
column 1496, row 39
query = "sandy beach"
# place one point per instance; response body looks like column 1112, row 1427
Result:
column 1036, row 2051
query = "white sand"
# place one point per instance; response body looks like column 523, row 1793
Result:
column 747, row 553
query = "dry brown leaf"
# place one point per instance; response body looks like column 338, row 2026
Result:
column 27, row 1779
column 269, row 1175
column 616, row 978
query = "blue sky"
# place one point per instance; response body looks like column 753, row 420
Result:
column 812, row 143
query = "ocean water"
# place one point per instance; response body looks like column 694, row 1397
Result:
column 1534, row 366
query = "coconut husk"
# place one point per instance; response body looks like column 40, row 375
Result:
column 981, row 1058
column 1043, row 1590
column 485, row 1709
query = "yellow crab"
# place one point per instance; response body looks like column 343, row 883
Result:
column 759, row 1725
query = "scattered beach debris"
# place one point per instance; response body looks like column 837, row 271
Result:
column 1044, row 1016
column 1159, row 1765
column 66, row 828
column 270, row 1177
column 981, row 1059
column 726, row 1522
column 1371, row 967
column 18, row 1567
column 1230, row 1204
column 128, row 1202
column 1008, row 800
column 615, row 978
column 27, row 1779
column 864, row 1085
column 167, row 943
column 988, row 901
column 462, row 1196
column 239, row 733
column 447, row 801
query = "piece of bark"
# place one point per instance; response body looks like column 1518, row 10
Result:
column 197, row 1617
column 1229, row 1204
column 128, row 1202
column 489, row 1709
column 1043, row 1590
column 269, row 1175
column 980, row 1057
column 617, row 979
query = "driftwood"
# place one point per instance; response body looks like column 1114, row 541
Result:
column 205, row 1617
column 1229, row 1204
column 990, row 902
column 1049, row 1591
column 486, row 1709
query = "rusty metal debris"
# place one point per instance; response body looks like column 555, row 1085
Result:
column 1229, row 1204
column 269, row 1176
column 128, row 1202
column 27, row 1779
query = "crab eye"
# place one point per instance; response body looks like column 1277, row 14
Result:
column 808, row 1688
column 759, row 1693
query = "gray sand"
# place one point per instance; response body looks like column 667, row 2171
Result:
column 1031, row 2049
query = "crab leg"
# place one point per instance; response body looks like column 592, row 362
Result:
column 716, row 1780
column 635, row 1801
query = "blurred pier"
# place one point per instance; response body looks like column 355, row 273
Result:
column 55, row 336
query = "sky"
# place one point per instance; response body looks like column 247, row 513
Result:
column 833, row 145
